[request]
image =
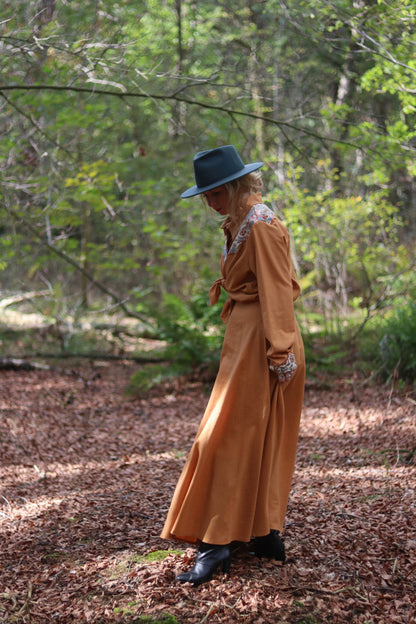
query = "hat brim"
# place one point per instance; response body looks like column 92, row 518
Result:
column 197, row 190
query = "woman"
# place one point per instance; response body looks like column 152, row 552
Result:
column 235, row 484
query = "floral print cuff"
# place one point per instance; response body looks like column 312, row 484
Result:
column 286, row 370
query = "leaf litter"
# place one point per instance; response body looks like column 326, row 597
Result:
column 87, row 474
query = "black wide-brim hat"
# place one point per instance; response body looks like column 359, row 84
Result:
column 215, row 167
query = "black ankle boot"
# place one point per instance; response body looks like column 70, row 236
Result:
column 270, row 546
column 209, row 558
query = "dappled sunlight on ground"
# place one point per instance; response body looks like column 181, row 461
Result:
column 87, row 475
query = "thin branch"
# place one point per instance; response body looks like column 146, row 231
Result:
column 388, row 56
column 102, row 287
column 34, row 124
column 174, row 97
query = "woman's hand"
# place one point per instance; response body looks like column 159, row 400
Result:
column 286, row 370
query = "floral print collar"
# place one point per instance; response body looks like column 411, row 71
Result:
column 257, row 212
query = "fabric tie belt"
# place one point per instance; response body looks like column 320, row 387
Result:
column 214, row 295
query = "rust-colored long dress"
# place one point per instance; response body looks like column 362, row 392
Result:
column 235, row 484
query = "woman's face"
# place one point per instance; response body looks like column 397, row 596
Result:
column 218, row 199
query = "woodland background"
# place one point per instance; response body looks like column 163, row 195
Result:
column 102, row 106
column 108, row 347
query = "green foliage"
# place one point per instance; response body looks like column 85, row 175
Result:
column 157, row 555
column 327, row 354
column 346, row 247
column 7, row 251
column 152, row 375
column 191, row 329
column 164, row 618
column 114, row 99
column 131, row 609
column 389, row 345
column 193, row 335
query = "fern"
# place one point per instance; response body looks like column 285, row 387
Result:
column 193, row 336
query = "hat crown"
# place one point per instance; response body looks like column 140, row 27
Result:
column 213, row 168
column 216, row 165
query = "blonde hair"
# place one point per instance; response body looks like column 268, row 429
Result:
column 238, row 189
column 250, row 183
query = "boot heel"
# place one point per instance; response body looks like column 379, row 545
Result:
column 270, row 546
column 210, row 558
column 226, row 565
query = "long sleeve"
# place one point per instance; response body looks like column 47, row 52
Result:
column 270, row 262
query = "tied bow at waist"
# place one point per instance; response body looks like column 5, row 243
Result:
column 214, row 295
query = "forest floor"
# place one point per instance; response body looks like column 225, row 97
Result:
column 87, row 474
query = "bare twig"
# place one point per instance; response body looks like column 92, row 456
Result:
column 174, row 96
column 68, row 259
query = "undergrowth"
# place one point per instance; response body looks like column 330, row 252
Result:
column 388, row 346
column 193, row 337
